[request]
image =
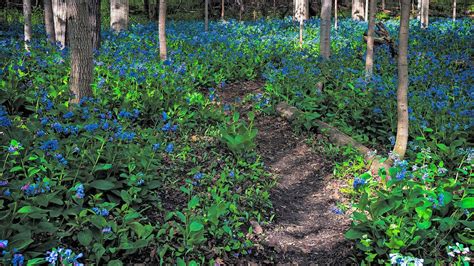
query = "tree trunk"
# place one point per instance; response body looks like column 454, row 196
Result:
column 369, row 59
column 301, row 32
column 454, row 10
column 60, row 21
column 49, row 20
column 80, row 34
column 27, row 25
column 222, row 9
column 424, row 13
column 335, row 14
column 162, row 29
column 146, row 7
column 358, row 10
column 366, row 11
column 402, row 90
column 383, row 5
column 95, row 21
column 119, row 15
column 325, row 31
column 241, row 8
column 301, row 10
column 206, row 15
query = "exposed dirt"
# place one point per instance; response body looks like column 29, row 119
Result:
column 305, row 229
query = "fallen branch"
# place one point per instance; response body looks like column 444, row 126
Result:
column 337, row 137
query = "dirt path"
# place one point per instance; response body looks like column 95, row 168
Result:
column 305, row 229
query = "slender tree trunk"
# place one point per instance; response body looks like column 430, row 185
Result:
column 241, row 9
column 402, row 90
column 369, row 59
column 146, row 8
column 222, row 9
column 454, row 10
column 27, row 25
column 95, row 21
column 206, row 15
column 162, row 29
column 425, row 6
column 301, row 10
column 335, row 14
column 358, row 10
column 301, row 32
column 49, row 20
column 418, row 14
column 60, row 21
column 119, row 15
column 325, row 31
column 80, row 35
column 366, row 11
column 383, row 5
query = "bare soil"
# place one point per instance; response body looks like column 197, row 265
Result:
column 305, row 230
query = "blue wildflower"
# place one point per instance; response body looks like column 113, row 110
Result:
column 40, row 133
column 57, row 127
column 80, row 191
column 68, row 115
column 164, row 116
column 358, row 182
column 156, row 146
column 3, row 244
column 169, row 148
column 198, row 176
column 50, row 145
column 4, row 120
column 107, row 230
column 91, row 127
column 18, row 260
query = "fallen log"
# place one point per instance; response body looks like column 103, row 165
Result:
column 337, row 137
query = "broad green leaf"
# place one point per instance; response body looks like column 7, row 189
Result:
column 102, row 185
column 195, row 226
column 467, row 203
column 85, row 237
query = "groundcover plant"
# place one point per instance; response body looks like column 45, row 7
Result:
column 153, row 168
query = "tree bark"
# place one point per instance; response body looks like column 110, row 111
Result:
column 369, row 59
column 119, row 15
column 358, row 10
column 49, row 21
column 454, row 10
column 402, row 89
column 27, row 25
column 335, row 14
column 325, row 31
column 206, row 15
column 222, row 9
column 301, row 9
column 60, row 21
column 162, row 29
column 425, row 6
column 366, row 11
column 80, row 35
column 383, row 5
column 95, row 21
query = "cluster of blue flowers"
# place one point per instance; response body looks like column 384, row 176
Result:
column 4, row 120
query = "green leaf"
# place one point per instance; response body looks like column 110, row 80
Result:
column 85, row 237
column 467, row 203
column 353, row 234
column 180, row 262
column 442, row 147
column 196, row 226
column 15, row 169
column 103, row 167
column 115, row 263
column 37, row 261
column 102, row 185
column 193, row 202
column 30, row 209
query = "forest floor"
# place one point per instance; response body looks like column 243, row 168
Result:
column 305, row 230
